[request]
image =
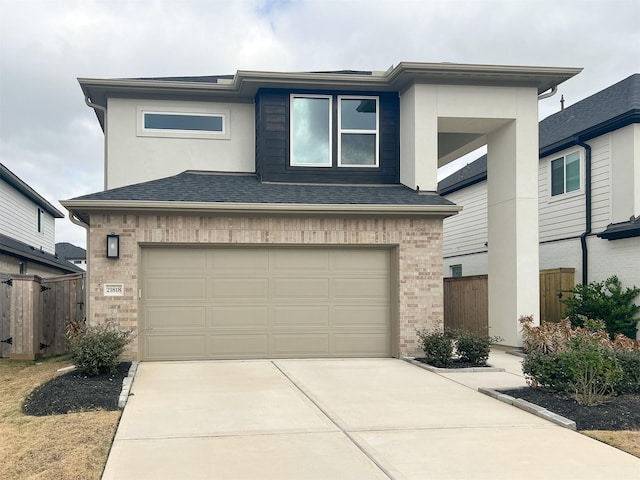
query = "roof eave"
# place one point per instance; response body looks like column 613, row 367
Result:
column 13, row 180
column 82, row 208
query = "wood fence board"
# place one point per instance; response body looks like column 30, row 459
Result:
column 5, row 316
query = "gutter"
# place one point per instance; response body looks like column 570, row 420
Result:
column 95, row 106
column 587, row 210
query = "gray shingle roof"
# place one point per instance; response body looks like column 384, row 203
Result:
column 14, row 247
column 604, row 111
column 68, row 251
column 191, row 186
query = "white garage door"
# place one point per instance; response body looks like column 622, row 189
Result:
column 239, row 302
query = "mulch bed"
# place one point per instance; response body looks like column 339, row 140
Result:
column 455, row 364
column 621, row 412
column 75, row 392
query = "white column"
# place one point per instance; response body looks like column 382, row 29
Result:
column 419, row 137
column 512, row 180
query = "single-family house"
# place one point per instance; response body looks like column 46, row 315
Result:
column 27, row 230
column 72, row 253
column 588, row 180
column 296, row 214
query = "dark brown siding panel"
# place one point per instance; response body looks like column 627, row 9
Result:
column 272, row 143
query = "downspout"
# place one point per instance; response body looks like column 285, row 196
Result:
column 587, row 210
column 76, row 221
column 89, row 103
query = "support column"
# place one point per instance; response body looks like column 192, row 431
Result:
column 512, row 180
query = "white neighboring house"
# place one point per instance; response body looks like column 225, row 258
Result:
column 589, row 193
column 72, row 253
column 27, row 230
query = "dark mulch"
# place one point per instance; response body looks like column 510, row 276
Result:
column 620, row 412
column 75, row 392
column 456, row 364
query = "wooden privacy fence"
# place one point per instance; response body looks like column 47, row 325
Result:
column 35, row 313
column 466, row 299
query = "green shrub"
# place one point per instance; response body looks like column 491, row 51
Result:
column 629, row 361
column 437, row 346
column 606, row 301
column 95, row 350
column 544, row 369
column 474, row 348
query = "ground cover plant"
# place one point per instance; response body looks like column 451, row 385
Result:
column 51, row 447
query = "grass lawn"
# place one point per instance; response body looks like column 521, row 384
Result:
column 60, row 447
column 627, row 440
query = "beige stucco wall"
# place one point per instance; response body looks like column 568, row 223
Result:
column 131, row 158
column 417, row 241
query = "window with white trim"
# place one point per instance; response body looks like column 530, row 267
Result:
column 311, row 130
column 177, row 123
column 565, row 174
column 358, row 131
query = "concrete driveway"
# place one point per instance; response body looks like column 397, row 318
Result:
column 338, row 419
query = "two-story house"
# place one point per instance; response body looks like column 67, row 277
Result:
column 72, row 253
column 27, row 230
column 588, row 189
column 271, row 214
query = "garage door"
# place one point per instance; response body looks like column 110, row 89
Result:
column 265, row 303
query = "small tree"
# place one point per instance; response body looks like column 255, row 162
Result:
column 606, row 301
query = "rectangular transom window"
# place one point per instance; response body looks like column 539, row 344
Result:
column 172, row 122
column 311, row 130
column 40, row 221
column 565, row 174
column 358, row 131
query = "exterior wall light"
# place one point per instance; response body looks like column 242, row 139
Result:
column 113, row 246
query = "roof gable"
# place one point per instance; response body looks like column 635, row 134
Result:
column 12, row 179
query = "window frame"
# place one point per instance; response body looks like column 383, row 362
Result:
column 40, row 220
column 564, row 193
column 143, row 131
column 375, row 132
column 457, row 268
column 292, row 97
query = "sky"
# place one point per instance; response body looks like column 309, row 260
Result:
column 52, row 140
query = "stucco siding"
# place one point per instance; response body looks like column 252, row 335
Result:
column 19, row 220
column 133, row 159
column 466, row 232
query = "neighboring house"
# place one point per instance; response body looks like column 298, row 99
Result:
column 588, row 193
column 27, row 230
column 269, row 214
column 72, row 253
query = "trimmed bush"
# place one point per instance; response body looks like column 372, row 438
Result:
column 474, row 348
column 437, row 346
column 629, row 361
column 546, row 370
column 606, row 301
column 95, row 350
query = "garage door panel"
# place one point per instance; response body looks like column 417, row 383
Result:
column 292, row 344
column 360, row 344
column 292, row 260
column 228, row 260
column 361, row 288
column 238, row 316
column 163, row 317
column 300, row 316
column 297, row 288
column 174, row 259
column 372, row 316
column 161, row 347
column 175, row 288
column 361, row 260
column 238, row 346
column 226, row 288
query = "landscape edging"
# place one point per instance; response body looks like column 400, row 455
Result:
column 433, row 369
column 127, row 382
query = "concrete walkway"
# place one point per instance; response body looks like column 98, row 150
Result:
column 342, row 419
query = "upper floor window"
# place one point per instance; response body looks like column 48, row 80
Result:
column 565, row 174
column 40, row 220
column 358, row 131
column 311, row 130
column 313, row 134
column 172, row 122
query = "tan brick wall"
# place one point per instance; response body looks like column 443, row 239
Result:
column 418, row 242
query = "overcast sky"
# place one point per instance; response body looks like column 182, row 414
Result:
column 52, row 140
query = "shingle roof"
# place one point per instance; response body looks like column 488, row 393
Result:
column 68, row 251
column 17, row 248
column 604, row 111
column 192, row 186
column 615, row 231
